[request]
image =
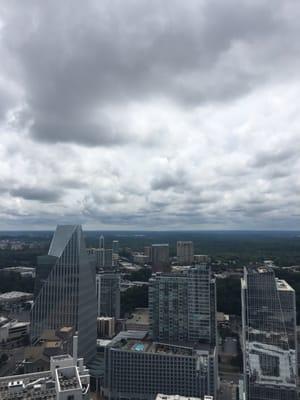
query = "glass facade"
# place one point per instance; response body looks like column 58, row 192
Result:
column 269, row 336
column 63, row 293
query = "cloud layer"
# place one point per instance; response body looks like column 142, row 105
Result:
column 150, row 115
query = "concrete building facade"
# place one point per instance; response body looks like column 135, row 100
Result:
column 182, row 306
column 138, row 368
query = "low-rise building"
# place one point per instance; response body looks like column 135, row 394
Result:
column 9, row 298
column 139, row 320
column 106, row 327
column 24, row 272
column 67, row 379
column 13, row 330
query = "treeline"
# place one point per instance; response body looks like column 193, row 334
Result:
column 11, row 281
column 14, row 258
column 228, row 294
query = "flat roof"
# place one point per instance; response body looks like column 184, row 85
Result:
column 139, row 316
column 14, row 295
column 283, row 285
column 138, row 341
column 68, row 379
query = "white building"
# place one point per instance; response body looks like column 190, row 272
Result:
column 13, row 330
column 67, row 379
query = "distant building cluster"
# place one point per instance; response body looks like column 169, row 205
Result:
column 170, row 350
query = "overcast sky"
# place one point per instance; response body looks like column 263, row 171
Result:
column 153, row 114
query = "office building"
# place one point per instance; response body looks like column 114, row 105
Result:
column 115, row 247
column 106, row 327
column 108, row 294
column 13, row 331
column 102, row 258
column 66, row 294
column 185, row 252
column 160, row 257
column 148, row 253
column 101, row 242
column 269, row 336
column 138, row 368
column 182, row 306
column 67, row 379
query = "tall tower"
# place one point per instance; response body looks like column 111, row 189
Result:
column 182, row 306
column 160, row 257
column 64, row 291
column 101, row 242
column 108, row 294
column 269, row 336
column 185, row 252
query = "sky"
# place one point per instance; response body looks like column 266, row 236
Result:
column 138, row 114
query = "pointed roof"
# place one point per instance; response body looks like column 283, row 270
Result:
column 60, row 239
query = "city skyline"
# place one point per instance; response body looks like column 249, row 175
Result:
column 150, row 115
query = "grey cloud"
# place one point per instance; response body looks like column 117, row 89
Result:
column 167, row 180
column 74, row 67
column 275, row 156
column 35, row 193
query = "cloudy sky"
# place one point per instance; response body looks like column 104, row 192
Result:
column 138, row 114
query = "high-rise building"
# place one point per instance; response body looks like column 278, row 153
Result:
column 108, row 294
column 101, row 242
column 138, row 368
column 102, row 258
column 160, row 257
column 64, row 292
column 182, row 306
column 269, row 336
column 148, row 253
column 115, row 247
column 185, row 252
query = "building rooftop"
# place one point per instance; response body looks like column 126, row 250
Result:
column 139, row 316
column 47, row 384
column 68, row 378
column 138, row 341
column 14, row 295
column 283, row 285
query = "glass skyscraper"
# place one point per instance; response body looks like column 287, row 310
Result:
column 269, row 336
column 65, row 292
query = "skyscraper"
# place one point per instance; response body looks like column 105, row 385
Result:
column 64, row 293
column 185, row 252
column 101, row 242
column 269, row 336
column 160, row 257
column 108, row 294
column 115, row 247
column 182, row 306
